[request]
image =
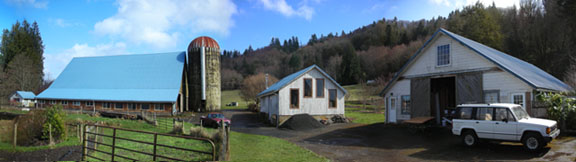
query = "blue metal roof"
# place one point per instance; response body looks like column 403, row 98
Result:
column 532, row 75
column 141, row 77
column 290, row 78
column 26, row 94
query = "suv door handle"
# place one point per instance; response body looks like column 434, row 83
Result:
column 477, row 122
column 497, row 123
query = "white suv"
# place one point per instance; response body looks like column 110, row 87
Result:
column 505, row 122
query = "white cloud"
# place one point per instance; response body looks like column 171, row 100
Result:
column 33, row 3
column 160, row 23
column 282, row 7
column 63, row 23
column 461, row 3
column 55, row 63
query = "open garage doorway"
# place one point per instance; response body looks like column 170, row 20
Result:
column 442, row 96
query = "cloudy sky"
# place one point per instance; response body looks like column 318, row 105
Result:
column 114, row 27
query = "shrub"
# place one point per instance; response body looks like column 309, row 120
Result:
column 253, row 107
column 55, row 117
column 561, row 108
column 30, row 128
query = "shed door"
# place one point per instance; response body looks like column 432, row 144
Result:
column 469, row 88
column 420, row 93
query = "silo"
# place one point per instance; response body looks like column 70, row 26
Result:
column 204, row 74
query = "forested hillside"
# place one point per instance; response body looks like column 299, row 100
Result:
column 539, row 32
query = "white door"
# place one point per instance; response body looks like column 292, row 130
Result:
column 392, row 109
column 506, row 126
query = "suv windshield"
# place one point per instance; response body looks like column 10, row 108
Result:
column 520, row 113
column 216, row 116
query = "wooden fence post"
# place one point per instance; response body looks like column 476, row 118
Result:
column 155, row 140
column 113, row 143
column 228, row 143
column 50, row 135
column 15, row 133
column 85, row 144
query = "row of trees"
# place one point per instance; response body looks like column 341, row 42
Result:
column 538, row 32
column 21, row 60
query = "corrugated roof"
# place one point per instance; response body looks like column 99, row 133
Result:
column 140, row 77
column 532, row 75
column 26, row 94
column 290, row 78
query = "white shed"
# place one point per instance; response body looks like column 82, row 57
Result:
column 23, row 98
column 308, row 91
column 449, row 70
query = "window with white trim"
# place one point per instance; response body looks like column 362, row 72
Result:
column 76, row 103
column 443, row 56
column 519, row 98
column 491, row 96
column 106, row 105
column 159, row 107
column 52, row 102
column 132, row 106
column 64, row 102
column 88, row 103
column 405, row 107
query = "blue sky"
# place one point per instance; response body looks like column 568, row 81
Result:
column 114, row 27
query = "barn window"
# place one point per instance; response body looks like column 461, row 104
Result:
column 145, row 106
column 88, row 103
column 76, row 103
column 518, row 98
column 158, row 107
column 443, row 55
column 405, row 108
column 319, row 87
column 41, row 101
column 332, row 101
column 53, row 102
column 294, row 98
column 132, row 106
column 119, row 106
column 64, row 102
column 492, row 96
column 106, row 105
column 307, row 87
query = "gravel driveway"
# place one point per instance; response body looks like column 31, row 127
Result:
column 381, row 142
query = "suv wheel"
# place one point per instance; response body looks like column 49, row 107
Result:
column 533, row 142
column 469, row 138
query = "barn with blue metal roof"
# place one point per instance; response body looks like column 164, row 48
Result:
column 148, row 82
column 450, row 69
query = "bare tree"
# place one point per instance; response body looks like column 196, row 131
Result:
column 231, row 79
column 22, row 75
column 255, row 84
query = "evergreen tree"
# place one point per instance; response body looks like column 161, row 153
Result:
column 350, row 71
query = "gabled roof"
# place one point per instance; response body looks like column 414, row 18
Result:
column 140, row 77
column 292, row 77
column 532, row 75
column 26, row 94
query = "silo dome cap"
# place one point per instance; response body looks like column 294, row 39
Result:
column 203, row 41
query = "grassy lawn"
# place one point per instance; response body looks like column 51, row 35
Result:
column 247, row 147
column 233, row 96
column 365, row 118
column 355, row 92
column 244, row 147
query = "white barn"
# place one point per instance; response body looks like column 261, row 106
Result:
column 449, row 70
column 23, row 98
column 308, row 91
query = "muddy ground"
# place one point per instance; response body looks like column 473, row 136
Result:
column 380, row 142
column 68, row 153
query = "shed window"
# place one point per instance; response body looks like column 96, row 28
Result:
column 106, row 105
column 76, row 103
column 158, row 107
column 332, row 101
column 492, row 96
column 518, row 98
column 145, row 106
column 319, row 87
column 443, row 55
column 119, row 105
column 405, row 109
column 294, row 98
column 307, row 87
column 132, row 106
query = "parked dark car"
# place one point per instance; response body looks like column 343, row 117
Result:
column 213, row 120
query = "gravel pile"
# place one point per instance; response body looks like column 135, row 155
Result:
column 301, row 122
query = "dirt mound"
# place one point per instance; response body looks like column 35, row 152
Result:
column 301, row 122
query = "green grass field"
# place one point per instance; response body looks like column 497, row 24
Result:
column 233, row 96
column 244, row 147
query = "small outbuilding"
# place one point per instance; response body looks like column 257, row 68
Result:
column 450, row 69
column 23, row 98
column 308, row 91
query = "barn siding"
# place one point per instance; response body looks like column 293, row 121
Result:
column 461, row 58
column 314, row 105
column 400, row 88
column 506, row 83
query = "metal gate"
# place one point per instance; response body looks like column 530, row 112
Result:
column 114, row 143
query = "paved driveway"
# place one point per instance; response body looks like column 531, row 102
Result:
column 380, row 142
